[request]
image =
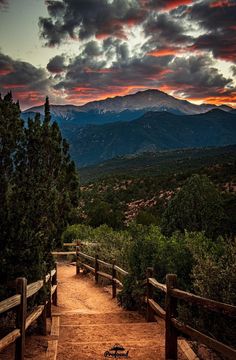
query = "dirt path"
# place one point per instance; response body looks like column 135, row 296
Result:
column 91, row 322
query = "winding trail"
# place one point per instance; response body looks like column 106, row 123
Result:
column 91, row 322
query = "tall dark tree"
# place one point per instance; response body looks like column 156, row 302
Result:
column 42, row 193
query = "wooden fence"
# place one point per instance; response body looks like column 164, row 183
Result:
column 173, row 326
column 95, row 265
column 24, row 320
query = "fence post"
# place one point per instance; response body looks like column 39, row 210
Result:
column 113, row 279
column 77, row 258
column 42, row 320
column 49, row 303
column 149, row 312
column 21, row 288
column 96, row 268
column 171, row 311
column 54, row 282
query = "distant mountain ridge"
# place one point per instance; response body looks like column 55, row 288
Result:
column 122, row 108
column 146, row 121
column 151, row 132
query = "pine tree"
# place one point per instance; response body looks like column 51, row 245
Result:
column 42, row 192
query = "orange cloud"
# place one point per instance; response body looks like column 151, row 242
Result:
column 164, row 52
column 172, row 4
column 217, row 100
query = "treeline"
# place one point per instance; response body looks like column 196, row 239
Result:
column 39, row 191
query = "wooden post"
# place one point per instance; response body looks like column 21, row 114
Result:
column 113, row 279
column 21, row 288
column 77, row 258
column 49, row 304
column 149, row 312
column 96, row 269
column 171, row 311
column 54, row 282
column 43, row 327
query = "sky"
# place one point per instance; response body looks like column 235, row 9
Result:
column 76, row 51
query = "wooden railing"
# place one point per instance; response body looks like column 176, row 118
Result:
column 95, row 265
column 173, row 326
column 24, row 320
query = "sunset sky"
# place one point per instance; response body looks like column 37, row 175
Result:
column 76, row 51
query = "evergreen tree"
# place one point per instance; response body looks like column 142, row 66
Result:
column 42, row 192
column 198, row 206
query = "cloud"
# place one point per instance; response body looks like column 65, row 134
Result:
column 196, row 77
column 86, row 18
column 163, row 31
column 217, row 20
column 93, row 77
column 56, row 65
column 28, row 83
column 165, row 4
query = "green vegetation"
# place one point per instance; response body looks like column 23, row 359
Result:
column 198, row 206
column 180, row 223
column 39, row 191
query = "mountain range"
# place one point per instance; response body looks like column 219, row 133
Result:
column 146, row 121
column 123, row 108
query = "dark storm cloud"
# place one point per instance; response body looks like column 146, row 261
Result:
column 85, row 72
column 56, row 65
column 92, row 48
column 196, row 77
column 217, row 19
column 85, row 18
column 192, row 77
column 25, row 80
column 163, row 30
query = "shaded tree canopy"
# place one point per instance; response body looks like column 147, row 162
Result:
column 198, row 206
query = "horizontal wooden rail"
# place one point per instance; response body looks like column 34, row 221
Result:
column 121, row 271
column 69, row 244
column 208, row 303
column 34, row 288
column 33, row 316
column 9, row 303
column 157, row 308
column 105, row 275
column 19, row 301
column 88, row 267
column 9, row 339
column 63, row 252
column 118, row 282
column 108, row 265
column 157, row 285
column 86, row 256
column 202, row 338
